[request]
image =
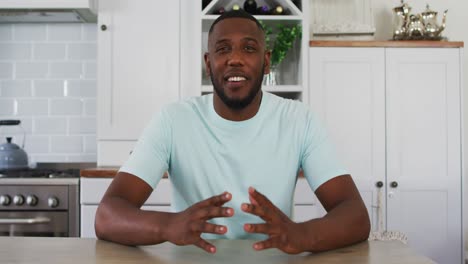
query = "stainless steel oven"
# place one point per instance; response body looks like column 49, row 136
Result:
column 40, row 206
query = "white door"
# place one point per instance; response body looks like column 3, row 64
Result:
column 424, row 150
column 347, row 90
column 138, row 64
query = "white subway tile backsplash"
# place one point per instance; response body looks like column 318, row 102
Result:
column 32, row 70
column 29, row 32
column 82, row 51
column 82, row 88
column 6, row 70
column 72, row 70
column 90, row 32
column 33, row 107
column 90, row 107
column 82, row 158
column 48, row 81
column 49, row 51
column 82, row 125
column 90, row 71
column 66, row 144
column 64, row 32
column 49, row 88
column 66, row 107
column 24, row 127
column 50, row 125
column 35, row 158
column 16, row 88
column 15, row 51
column 6, row 107
column 6, row 32
column 90, row 144
column 37, row 144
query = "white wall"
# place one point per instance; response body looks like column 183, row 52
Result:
column 48, row 81
column 457, row 21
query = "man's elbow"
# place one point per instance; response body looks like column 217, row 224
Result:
column 364, row 222
column 100, row 223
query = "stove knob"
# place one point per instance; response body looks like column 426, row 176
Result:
column 5, row 200
column 31, row 200
column 53, row 202
column 18, row 199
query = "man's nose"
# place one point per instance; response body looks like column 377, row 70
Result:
column 235, row 58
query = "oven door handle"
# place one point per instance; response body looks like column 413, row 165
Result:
column 24, row 221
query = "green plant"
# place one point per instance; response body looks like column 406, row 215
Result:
column 282, row 43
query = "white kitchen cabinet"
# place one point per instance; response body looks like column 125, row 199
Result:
column 306, row 205
column 138, row 70
column 92, row 190
column 196, row 22
column 395, row 116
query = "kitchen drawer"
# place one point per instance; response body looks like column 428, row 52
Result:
column 92, row 190
column 88, row 214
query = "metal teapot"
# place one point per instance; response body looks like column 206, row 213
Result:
column 400, row 21
column 432, row 28
column 12, row 156
column 416, row 27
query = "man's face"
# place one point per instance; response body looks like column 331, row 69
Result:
column 236, row 61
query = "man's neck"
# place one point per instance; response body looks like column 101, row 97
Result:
column 237, row 114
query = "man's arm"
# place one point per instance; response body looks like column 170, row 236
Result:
column 120, row 219
column 346, row 222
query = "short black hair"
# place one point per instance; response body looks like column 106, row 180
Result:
column 236, row 14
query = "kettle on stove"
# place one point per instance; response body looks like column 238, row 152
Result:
column 12, row 156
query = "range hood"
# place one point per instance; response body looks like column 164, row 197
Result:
column 48, row 11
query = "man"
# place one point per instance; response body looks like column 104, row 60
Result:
column 233, row 159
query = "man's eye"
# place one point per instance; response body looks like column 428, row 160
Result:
column 222, row 49
column 250, row 48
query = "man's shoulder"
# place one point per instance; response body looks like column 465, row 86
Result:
column 287, row 107
column 186, row 106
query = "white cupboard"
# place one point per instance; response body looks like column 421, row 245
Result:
column 138, row 69
column 395, row 116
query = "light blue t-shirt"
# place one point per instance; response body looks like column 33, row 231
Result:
column 206, row 155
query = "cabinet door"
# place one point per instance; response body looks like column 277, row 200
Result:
column 88, row 214
column 347, row 91
column 138, row 69
column 424, row 150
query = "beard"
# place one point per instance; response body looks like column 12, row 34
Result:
column 238, row 103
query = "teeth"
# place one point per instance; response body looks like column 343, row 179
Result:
column 236, row 79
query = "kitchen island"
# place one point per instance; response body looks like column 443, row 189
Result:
column 79, row 250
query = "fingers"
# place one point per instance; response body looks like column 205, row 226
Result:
column 260, row 211
column 216, row 200
column 213, row 211
column 205, row 227
column 205, row 246
column 258, row 198
column 258, row 228
column 266, row 244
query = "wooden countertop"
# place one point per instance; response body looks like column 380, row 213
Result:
column 38, row 250
column 103, row 172
column 388, row 43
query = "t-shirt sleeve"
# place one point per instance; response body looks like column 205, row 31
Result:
column 150, row 157
column 319, row 159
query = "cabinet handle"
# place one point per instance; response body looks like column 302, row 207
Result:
column 103, row 27
column 379, row 184
column 394, row 184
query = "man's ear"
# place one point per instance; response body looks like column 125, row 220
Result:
column 207, row 64
column 267, row 60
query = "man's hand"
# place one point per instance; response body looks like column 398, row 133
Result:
column 186, row 227
column 283, row 233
